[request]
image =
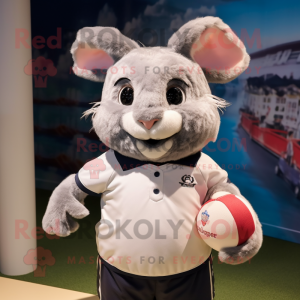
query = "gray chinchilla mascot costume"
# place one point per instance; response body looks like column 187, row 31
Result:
column 155, row 115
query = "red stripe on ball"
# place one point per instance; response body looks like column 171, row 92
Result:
column 241, row 214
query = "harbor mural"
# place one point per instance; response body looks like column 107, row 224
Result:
column 270, row 110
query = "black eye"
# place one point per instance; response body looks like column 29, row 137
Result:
column 175, row 95
column 126, row 95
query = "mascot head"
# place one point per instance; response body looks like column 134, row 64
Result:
column 156, row 103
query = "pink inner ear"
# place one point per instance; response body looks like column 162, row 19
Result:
column 90, row 59
column 213, row 50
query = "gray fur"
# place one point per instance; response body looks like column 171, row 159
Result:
column 107, row 38
column 222, row 187
column 66, row 201
column 182, row 41
column 200, row 114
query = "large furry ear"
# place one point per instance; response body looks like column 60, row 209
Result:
column 98, row 48
column 214, row 46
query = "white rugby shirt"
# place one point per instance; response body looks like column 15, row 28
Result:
column 148, row 211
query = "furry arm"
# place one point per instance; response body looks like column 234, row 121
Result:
column 242, row 253
column 66, row 201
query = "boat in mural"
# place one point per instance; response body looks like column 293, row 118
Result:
column 271, row 107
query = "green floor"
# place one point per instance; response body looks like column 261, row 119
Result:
column 273, row 274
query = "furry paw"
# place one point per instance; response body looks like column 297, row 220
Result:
column 61, row 208
column 242, row 253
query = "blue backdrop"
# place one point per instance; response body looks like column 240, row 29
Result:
column 63, row 141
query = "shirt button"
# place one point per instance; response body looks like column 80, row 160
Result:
column 156, row 191
column 156, row 174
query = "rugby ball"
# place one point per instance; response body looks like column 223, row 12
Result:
column 227, row 221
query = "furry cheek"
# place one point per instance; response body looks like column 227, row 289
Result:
column 170, row 124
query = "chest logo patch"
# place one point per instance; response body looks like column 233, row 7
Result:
column 187, row 181
column 204, row 218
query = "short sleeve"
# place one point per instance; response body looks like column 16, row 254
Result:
column 213, row 174
column 92, row 178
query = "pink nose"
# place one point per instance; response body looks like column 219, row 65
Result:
column 149, row 124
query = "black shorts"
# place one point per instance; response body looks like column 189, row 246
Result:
column 196, row 284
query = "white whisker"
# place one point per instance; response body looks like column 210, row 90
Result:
column 220, row 103
column 92, row 111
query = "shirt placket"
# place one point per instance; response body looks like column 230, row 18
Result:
column 156, row 183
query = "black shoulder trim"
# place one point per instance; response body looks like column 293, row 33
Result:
column 83, row 188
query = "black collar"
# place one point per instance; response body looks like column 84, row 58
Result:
column 128, row 163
